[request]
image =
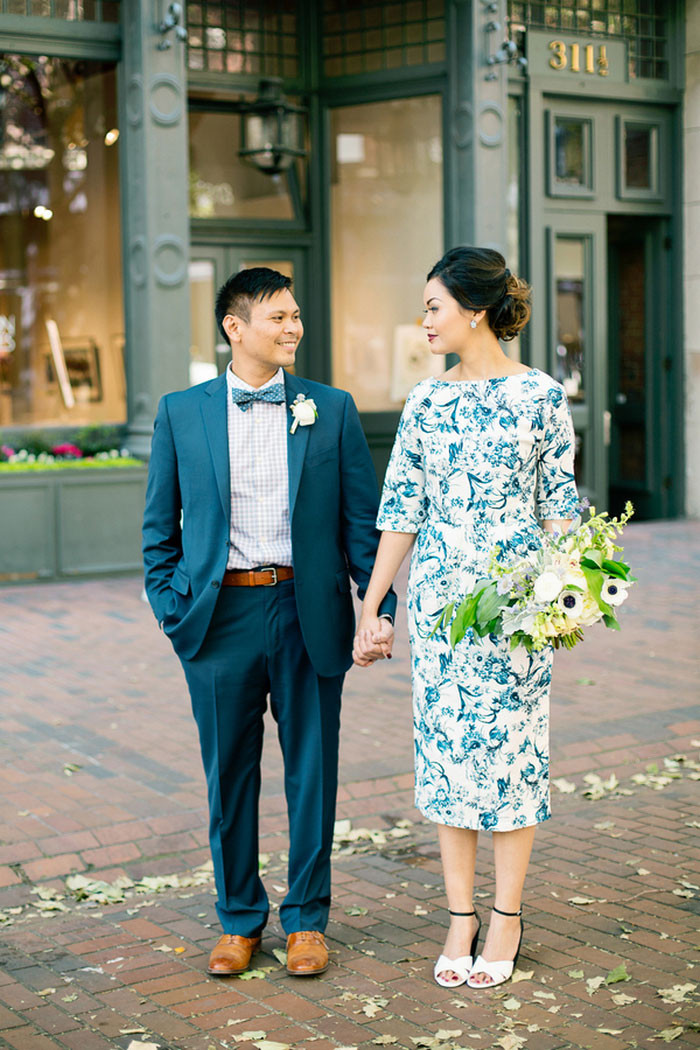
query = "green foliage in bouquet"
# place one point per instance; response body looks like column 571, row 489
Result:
column 550, row 596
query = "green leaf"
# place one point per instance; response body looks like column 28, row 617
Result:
column 610, row 621
column 588, row 563
column 442, row 619
column 618, row 974
column 616, row 568
column 592, row 555
column 490, row 604
column 594, row 579
column 465, row 618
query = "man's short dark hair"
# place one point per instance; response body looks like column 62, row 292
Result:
column 244, row 288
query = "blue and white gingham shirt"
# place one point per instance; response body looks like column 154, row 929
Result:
column 257, row 445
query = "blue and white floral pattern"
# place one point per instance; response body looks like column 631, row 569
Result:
column 477, row 464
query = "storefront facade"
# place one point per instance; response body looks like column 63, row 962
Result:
column 551, row 131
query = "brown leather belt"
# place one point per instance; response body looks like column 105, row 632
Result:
column 266, row 577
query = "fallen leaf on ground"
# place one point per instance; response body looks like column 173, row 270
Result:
column 677, row 993
column 522, row 975
column 245, row 1037
column 610, row 1031
column 620, row 999
column 254, row 975
column 513, row 1004
column 565, row 786
column 576, row 973
column 356, row 910
column 593, row 984
column 46, row 991
column 544, row 995
column 587, row 900
column 373, row 1004
column 268, row 1044
column 619, row 973
column 163, row 948
column 385, row 1040
column 668, row 1034
column 511, row 1041
column 281, row 955
column 136, row 1044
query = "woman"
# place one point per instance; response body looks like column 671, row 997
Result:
column 483, row 456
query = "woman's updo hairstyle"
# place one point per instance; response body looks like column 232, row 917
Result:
column 479, row 279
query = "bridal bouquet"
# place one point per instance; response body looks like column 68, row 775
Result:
column 549, row 596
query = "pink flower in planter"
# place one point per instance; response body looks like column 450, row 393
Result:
column 6, row 451
column 67, row 450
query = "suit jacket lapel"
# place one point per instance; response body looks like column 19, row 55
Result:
column 296, row 442
column 215, row 424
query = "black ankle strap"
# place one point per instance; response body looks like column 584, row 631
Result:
column 510, row 914
column 461, row 913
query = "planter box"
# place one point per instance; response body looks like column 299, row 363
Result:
column 67, row 523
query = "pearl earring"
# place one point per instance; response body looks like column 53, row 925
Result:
column 472, row 323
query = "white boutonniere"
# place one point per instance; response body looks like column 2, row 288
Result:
column 304, row 411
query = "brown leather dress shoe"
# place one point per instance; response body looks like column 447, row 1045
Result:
column 232, row 955
column 306, row 953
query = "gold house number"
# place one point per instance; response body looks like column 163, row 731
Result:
column 578, row 59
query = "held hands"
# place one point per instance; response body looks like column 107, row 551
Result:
column 373, row 641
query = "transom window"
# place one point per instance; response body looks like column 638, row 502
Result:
column 642, row 23
column 251, row 36
column 70, row 10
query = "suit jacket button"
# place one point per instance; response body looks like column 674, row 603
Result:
column 215, row 583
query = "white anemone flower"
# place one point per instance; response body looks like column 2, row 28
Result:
column 571, row 604
column 614, row 591
column 547, row 587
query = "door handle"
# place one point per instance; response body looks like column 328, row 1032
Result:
column 607, row 422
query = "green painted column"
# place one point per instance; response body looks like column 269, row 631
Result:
column 154, row 173
column 476, row 137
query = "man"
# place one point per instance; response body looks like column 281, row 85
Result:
column 260, row 506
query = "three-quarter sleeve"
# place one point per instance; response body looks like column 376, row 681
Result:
column 404, row 501
column 557, row 496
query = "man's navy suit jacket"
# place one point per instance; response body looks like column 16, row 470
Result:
column 332, row 510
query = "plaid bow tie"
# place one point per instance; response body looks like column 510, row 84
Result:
column 245, row 398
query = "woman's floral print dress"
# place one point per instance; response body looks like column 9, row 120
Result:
column 477, row 464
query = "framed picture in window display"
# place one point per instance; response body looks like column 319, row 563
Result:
column 82, row 369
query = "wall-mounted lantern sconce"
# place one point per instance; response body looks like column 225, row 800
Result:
column 272, row 129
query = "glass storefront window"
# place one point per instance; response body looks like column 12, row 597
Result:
column 223, row 186
column 61, row 314
column 640, row 151
column 386, row 233
column 570, row 168
column 569, row 270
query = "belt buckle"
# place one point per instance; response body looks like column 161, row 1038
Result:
column 273, row 570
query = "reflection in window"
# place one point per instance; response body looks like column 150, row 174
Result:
column 61, row 318
column 572, row 151
column 639, row 156
column 569, row 258
column 223, row 186
column 243, row 36
column 386, row 233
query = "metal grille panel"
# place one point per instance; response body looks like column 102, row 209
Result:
column 643, row 23
column 245, row 37
column 365, row 36
column 69, row 10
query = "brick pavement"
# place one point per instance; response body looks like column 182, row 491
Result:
column 99, row 776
